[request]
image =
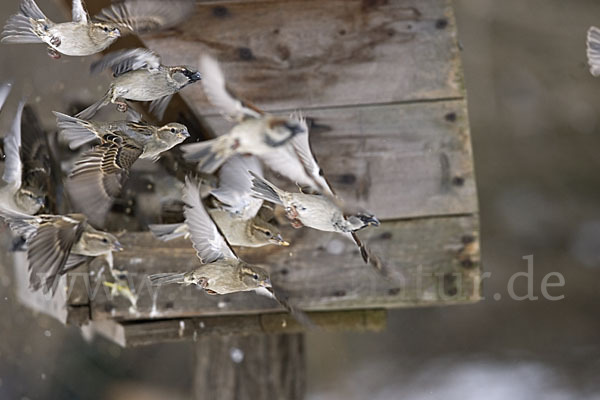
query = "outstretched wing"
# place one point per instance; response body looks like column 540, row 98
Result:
column 123, row 61
column 13, row 166
column 301, row 145
column 79, row 12
column 49, row 249
column 593, row 50
column 98, row 177
column 209, row 243
column 158, row 106
column 235, row 186
column 22, row 224
column 4, row 92
column 142, row 16
column 220, row 96
column 296, row 162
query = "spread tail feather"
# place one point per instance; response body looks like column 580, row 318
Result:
column 74, row 130
column 265, row 190
column 19, row 28
column 210, row 154
column 166, row 232
column 93, row 109
column 166, row 278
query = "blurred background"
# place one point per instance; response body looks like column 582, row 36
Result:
column 535, row 121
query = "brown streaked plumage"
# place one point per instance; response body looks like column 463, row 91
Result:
column 98, row 176
column 57, row 243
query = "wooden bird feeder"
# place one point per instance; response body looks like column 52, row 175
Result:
column 383, row 82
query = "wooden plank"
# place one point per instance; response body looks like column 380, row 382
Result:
column 259, row 367
column 398, row 161
column 311, row 53
column 430, row 261
column 137, row 333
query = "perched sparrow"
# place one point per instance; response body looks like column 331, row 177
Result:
column 82, row 36
column 22, row 192
column 57, row 243
column 256, row 133
column 238, row 218
column 140, row 76
column 99, row 174
column 593, row 50
column 222, row 272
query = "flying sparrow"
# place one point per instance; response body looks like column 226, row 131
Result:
column 99, row 174
column 23, row 192
column 317, row 211
column 238, row 216
column 221, row 272
column 256, row 132
column 84, row 36
column 139, row 75
column 57, row 243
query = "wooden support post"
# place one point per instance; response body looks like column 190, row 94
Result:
column 254, row 367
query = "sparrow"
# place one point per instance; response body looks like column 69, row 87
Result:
column 139, row 75
column 318, row 211
column 313, row 210
column 256, row 132
column 99, row 174
column 22, row 192
column 238, row 217
column 593, row 50
column 84, row 36
column 57, row 243
column 221, row 272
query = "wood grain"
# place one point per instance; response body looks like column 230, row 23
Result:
column 257, row 367
column 429, row 261
column 137, row 333
column 311, row 53
column 397, row 161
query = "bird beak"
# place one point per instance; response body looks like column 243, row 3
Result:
column 267, row 284
column 117, row 246
column 41, row 201
column 278, row 240
column 115, row 33
column 195, row 77
column 185, row 134
column 373, row 221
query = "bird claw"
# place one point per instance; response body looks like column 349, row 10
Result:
column 121, row 107
column 202, row 282
column 55, row 41
column 53, row 53
column 293, row 216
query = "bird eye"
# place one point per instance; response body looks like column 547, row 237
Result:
column 268, row 233
column 255, row 276
column 172, row 130
column 104, row 240
column 105, row 29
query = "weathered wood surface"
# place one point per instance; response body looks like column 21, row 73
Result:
column 312, row 53
column 397, row 161
column 137, row 333
column 429, row 261
column 257, row 367
column 383, row 81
